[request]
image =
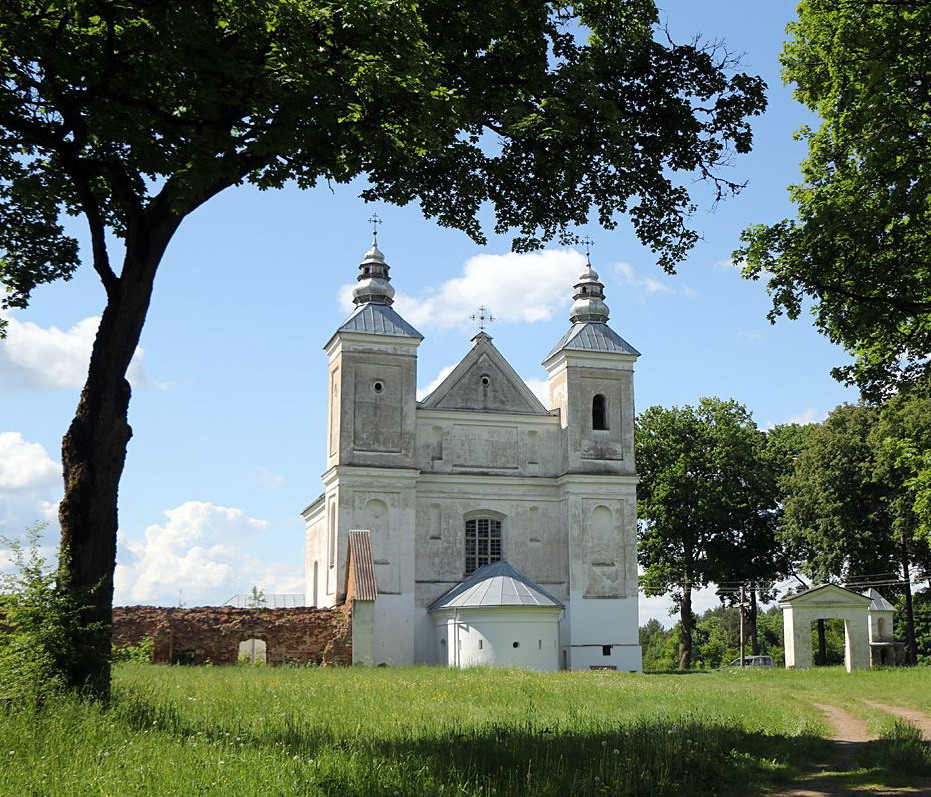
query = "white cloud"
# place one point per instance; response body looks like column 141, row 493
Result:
column 810, row 415
column 541, row 389
column 517, row 287
column 423, row 392
column 29, row 483
column 750, row 335
column 729, row 264
column 266, row 477
column 650, row 285
column 40, row 358
column 24, row 465
column 198, row 553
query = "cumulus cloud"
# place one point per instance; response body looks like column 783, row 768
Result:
column 198, row 553
column 423, row 392
column 649, row 285
column 809, row 415
column 541, row 389
column 518, row 287
column 29, row 482
column 268, row 478
column 40, row 358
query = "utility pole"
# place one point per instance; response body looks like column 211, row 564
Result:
column 742, row 645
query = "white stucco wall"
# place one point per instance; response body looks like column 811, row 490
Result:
column 797, row 621
column 525, row 637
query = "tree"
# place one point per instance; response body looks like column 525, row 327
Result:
column 860, row 247
column 836, row 516
column 132, row 114
column 704, row 487
column 849, row 512
column 901, row 441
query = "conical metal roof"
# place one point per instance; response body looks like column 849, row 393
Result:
column 497, row 584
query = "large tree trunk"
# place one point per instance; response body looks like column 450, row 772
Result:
column 93, row 455
column 752, row 612
column 685, row 629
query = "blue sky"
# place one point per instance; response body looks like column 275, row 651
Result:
column 229, row 395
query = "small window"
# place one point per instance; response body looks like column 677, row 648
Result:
column 515, row 644
column 599, row 412
column 482, row 543
column 481, row 644
column 486, row 380
column 605, row 650
column 378, row 386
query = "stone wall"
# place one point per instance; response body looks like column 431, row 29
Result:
column 213, row 633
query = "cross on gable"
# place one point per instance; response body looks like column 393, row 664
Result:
column 483, row 317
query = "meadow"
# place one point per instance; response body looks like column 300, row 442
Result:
column 428, row 731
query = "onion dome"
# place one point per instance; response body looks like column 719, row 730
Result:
column 374, row 284
column 589, row 298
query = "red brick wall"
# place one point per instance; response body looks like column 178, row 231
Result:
column 213, row 633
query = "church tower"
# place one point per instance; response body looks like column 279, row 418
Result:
column 591, row 385
column 370, row 475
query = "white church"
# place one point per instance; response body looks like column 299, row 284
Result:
column 478, row 527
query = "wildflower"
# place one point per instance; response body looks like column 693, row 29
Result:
column 604, row 743
column 616, row 751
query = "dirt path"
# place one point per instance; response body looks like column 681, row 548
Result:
column 917, row 718
column 849, row 734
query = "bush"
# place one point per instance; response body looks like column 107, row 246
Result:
column 35, row 638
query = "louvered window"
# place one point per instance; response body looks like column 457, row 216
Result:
column 482, row 543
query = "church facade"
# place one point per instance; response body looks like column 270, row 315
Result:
column 476, row 474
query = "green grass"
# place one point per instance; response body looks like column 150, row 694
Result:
column 427, row 731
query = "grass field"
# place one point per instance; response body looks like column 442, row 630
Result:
column 426, row 731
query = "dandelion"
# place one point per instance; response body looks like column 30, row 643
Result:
column 616, row 751
column 604, row 743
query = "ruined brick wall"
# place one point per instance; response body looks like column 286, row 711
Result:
column 213, row 633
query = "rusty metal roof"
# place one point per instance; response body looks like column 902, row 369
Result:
column 363, row 565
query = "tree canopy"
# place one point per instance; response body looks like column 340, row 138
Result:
column 860, row 247
column 705, row 499
column 133, row 113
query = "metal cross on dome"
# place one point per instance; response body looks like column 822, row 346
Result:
column 483, row 317
column 589, row 243
column 375, row 220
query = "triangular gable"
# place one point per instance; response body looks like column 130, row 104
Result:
column 826, row 593
column 484, row 381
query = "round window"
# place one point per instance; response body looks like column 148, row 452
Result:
column 515, row 644
column 378, row 386
column 486, row 381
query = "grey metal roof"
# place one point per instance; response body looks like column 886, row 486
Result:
column 379, row 319
column 593, row 336
column 878, row 603
column 497, row 584
column 821, row 587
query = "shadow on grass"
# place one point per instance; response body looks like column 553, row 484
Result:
column 529, row 759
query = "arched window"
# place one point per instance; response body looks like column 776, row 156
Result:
column 482, row 542
column 599, row 412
